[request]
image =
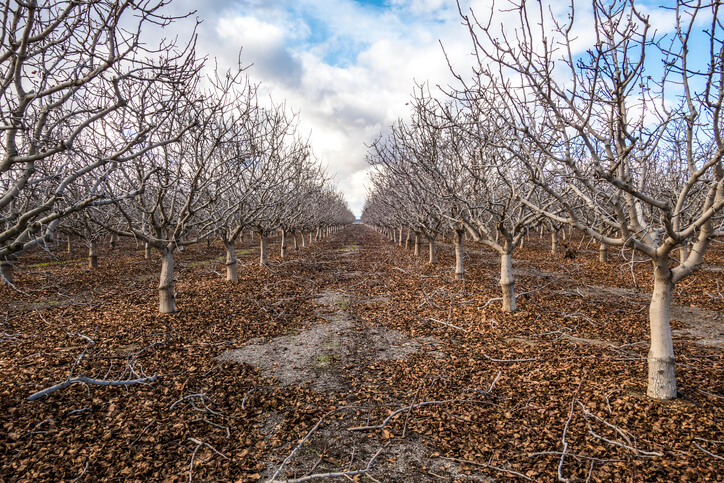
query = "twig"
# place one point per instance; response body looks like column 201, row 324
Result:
column 483, row 465
column 95, row 382
column 199, row 444
column 291, row 455
column 408, row 408
column 339, row 474
column 511, row 360
column 707, row 452
column 565, row 431
column 430, row 319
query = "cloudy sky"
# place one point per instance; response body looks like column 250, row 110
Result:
column 347, row 66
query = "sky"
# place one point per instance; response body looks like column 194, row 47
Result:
column 348, row 67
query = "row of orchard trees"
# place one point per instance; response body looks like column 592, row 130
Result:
column 102, row 134
column 623, row 141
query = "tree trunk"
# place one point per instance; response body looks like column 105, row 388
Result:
column 304, row 240
column 459, row 266
column 433, row 251
column 296, row 241
column 311, row 237
column 408, row 240
column 263, row 256
column 6, row 272
column 603, row 253
column 417, row 244
column 400, row 238
column 147, row 248
column 114, row 241
column 69, row 246
column 284, row 244
column 231, row 273
column 554, row 242
column 167, row 298
column 93, row 255
column 507, row 282
column 662, row 367
column 683, row 252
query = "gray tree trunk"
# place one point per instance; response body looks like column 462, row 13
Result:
column 418, row 242
column 459, row 252
column 93, row 255
column 69, row 246
column 263, row 255
column 147, row 249
column 231, row 272
column 554, row 242
column 408, row 240
column 114, row 241
column 296, row 241
column 166, row 295
column 6, row 272
column 662, row 367
column 507, row 282
column 400, row 237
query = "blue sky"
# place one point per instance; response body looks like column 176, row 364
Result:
column 348, row 66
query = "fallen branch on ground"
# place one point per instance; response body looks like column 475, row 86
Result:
column 94, row 382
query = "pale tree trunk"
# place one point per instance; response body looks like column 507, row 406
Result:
column 603, row 253
column 407, row 240
column 6, row 272
column 69, row 246
column 284, row 244
column 433, row 250
column 147, row 249
column 304, row 240
column 311, row 237
column 683, row 252
column 400, row 242
column 459, row 252
column 114, row 241
column 507, row 282
column 167, row 298
column 231, row 273
column 418, row 242
column 93, row 255
column 263, row 256
column 296, row 241
column 554, row 242
column 662, row 367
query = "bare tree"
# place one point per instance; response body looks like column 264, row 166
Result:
column 626, row 138
column 67, row 68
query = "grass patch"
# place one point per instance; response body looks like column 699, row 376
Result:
column 59, row 262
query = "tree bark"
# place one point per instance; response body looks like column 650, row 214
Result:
column 147, row 248
column 417, row 244
column 69, row 246
column 263, row 255
column 459, row 252
column 603, row 253
column 507, row 282
column 114, row 241
column 554, row 242
column 662, row 367
column 231, row 272
column 433, row 250
column 408, row 240
column 284, row 244
column 6, row 271
column 167, row 298
column 400, row 242
column 296, row 241
column 93, row 255
column 311, row 235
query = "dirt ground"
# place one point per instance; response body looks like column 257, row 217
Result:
column 354, row 357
